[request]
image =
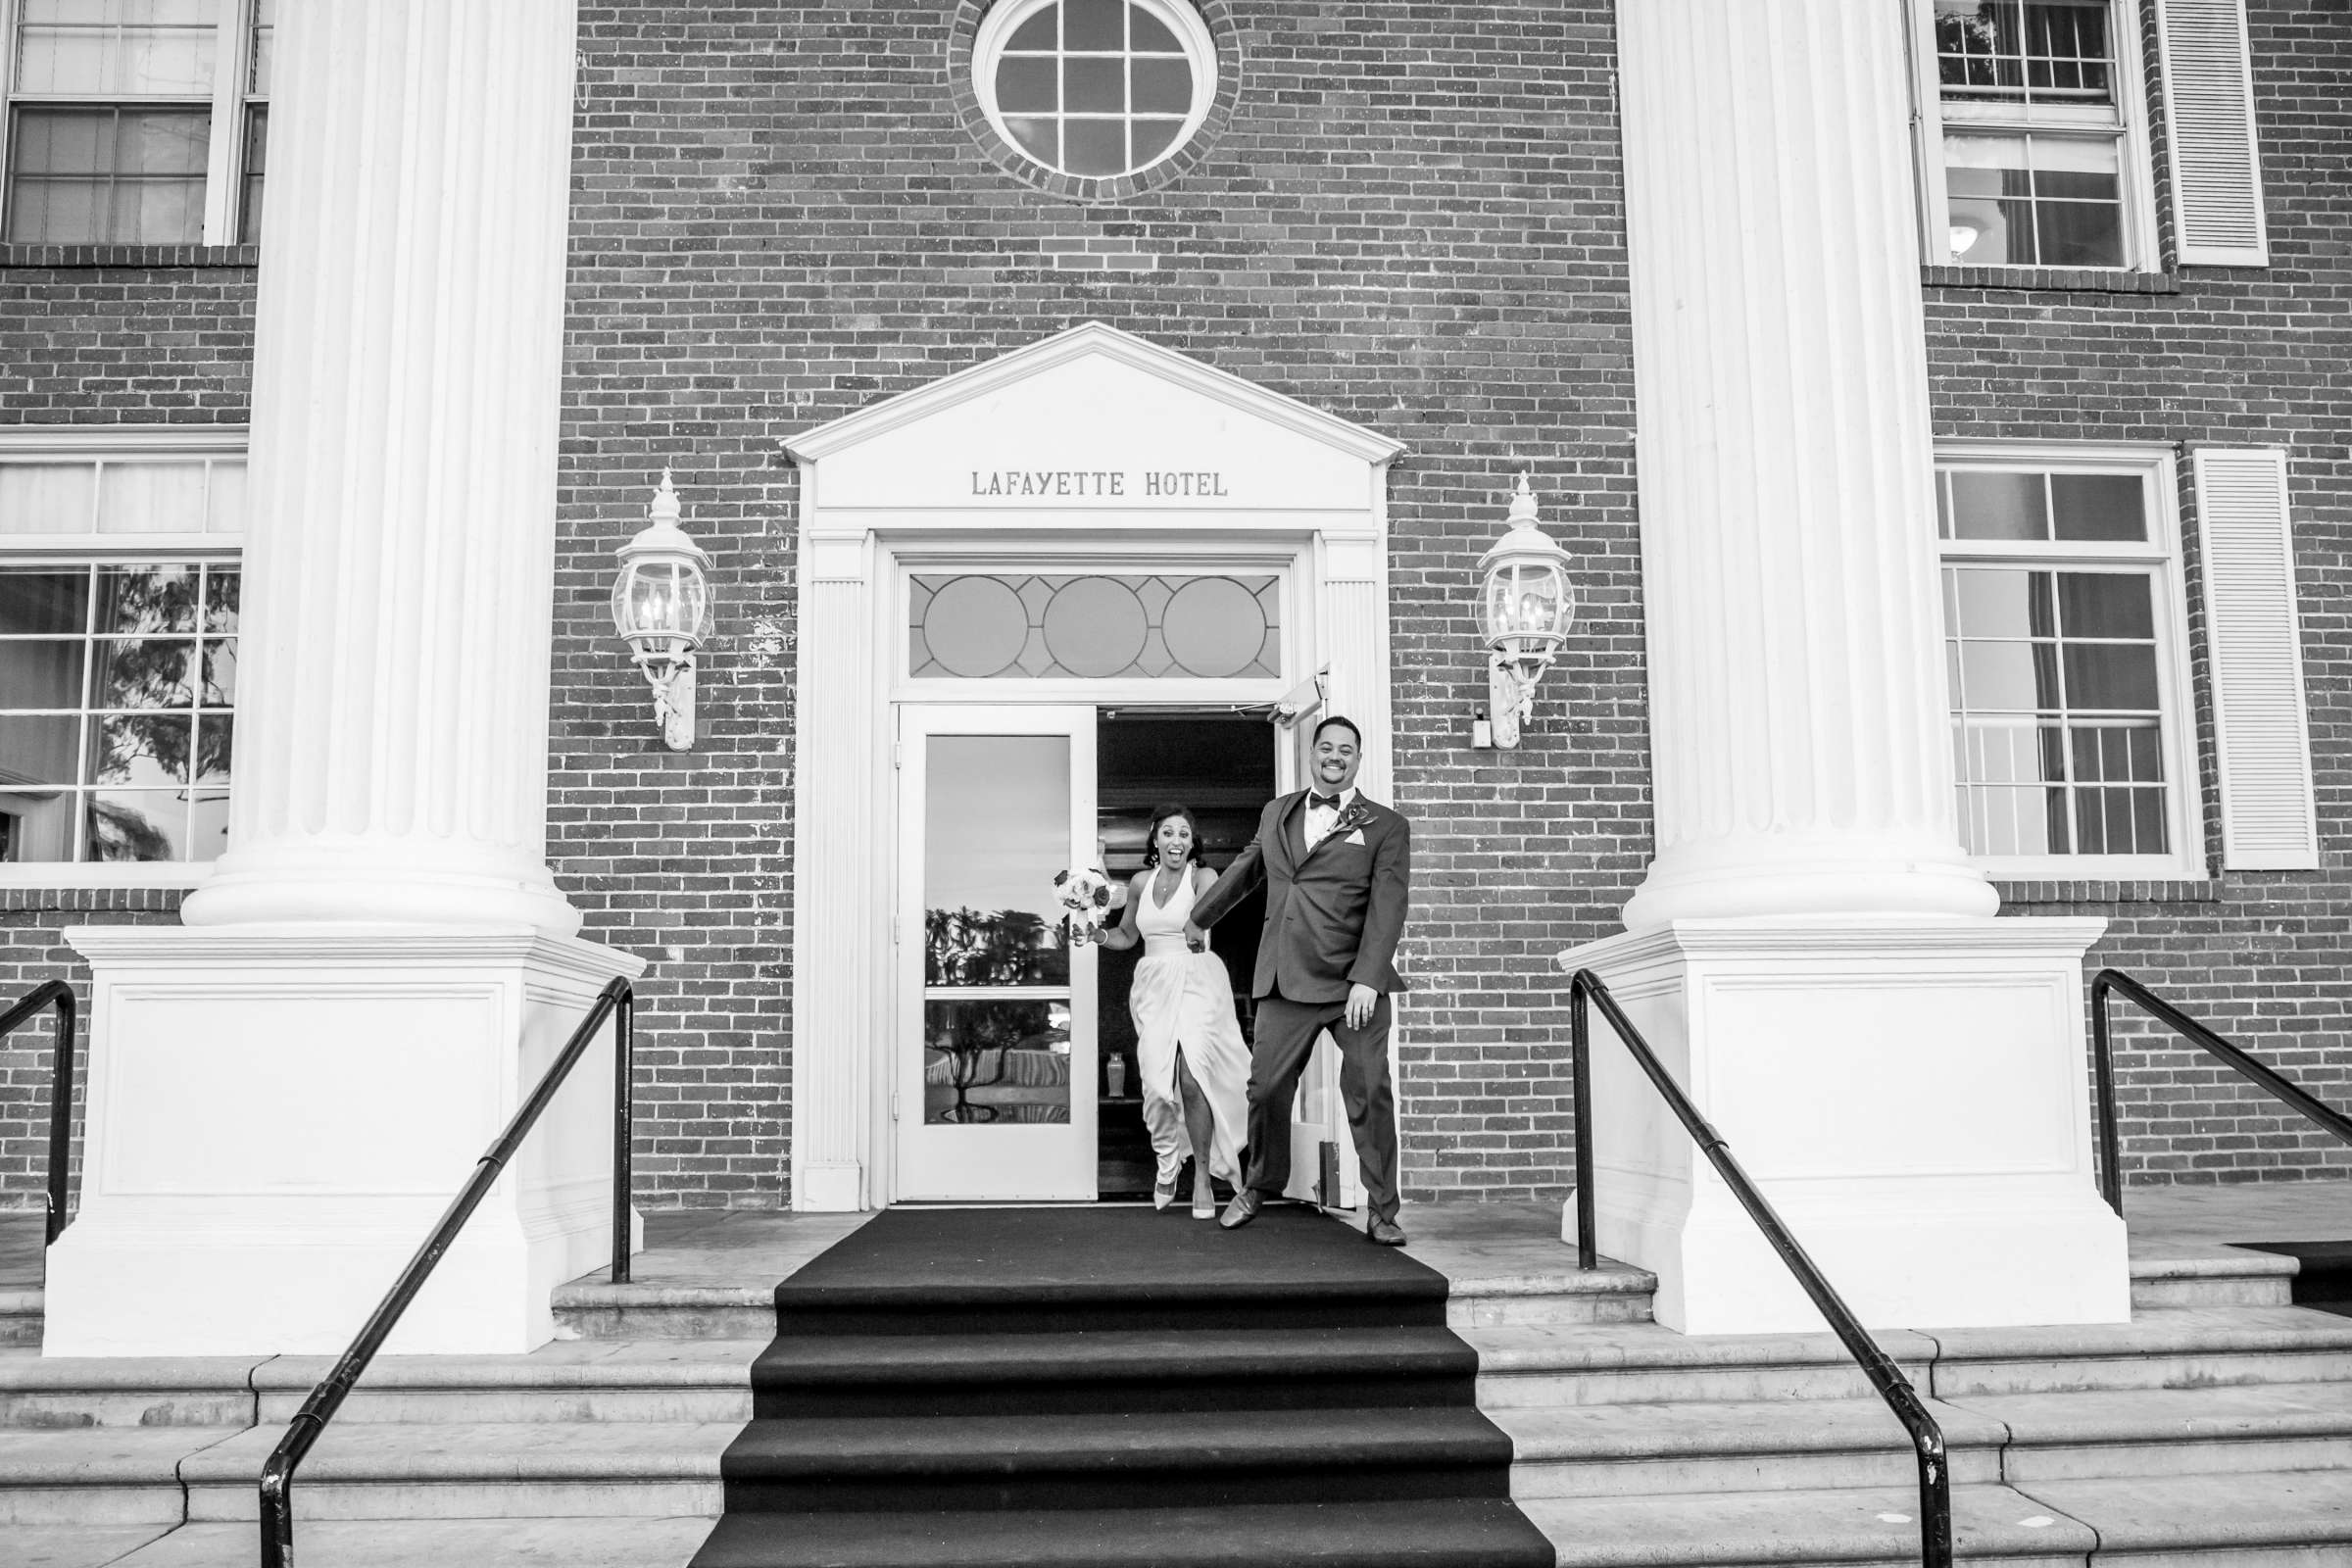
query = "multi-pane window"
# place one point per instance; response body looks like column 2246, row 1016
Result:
column 2061, row 624
column 1095, row 87
column 136, row 121
column 2036, row 162
column 118, row 652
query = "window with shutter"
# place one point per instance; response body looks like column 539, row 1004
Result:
column 2209, row 119
column 2064, row 640
column 2035, row 149
column 2268, row 821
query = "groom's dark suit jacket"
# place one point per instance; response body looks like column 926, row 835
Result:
column 1333, row 912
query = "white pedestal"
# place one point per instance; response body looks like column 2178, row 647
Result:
column 277, row 1114
column 1910, row 1094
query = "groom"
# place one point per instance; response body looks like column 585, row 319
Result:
column 1337, row 869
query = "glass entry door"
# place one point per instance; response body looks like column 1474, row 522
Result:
column 996, row 1023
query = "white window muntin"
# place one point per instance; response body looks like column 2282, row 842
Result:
column 184, row 503
column 1072, row 558
column 241, row 36
column 1197, row 48
column 2157, row 560
column 2069, row 122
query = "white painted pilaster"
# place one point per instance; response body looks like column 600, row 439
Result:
column 1812, row 953
column 839, row 1000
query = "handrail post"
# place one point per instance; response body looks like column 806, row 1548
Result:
column 624, row 1053
column 60, row 995
column 2102, row 1050
column 61, row 1113
column 1579, row 1039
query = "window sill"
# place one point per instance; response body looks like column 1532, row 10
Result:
column 149, row 257
column 2137, row 890
column 2065, row 279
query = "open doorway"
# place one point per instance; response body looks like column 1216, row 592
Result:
column 1221, row 765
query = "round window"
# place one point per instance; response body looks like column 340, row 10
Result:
column 1095, row 88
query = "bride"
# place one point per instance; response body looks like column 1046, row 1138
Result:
column 1188, row 1044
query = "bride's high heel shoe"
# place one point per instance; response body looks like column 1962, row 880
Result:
column 1162, row 1194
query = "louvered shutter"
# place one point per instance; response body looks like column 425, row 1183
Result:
column 2209, row 117
column 2268, row 820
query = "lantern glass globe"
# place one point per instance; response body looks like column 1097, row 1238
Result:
column 662, row 595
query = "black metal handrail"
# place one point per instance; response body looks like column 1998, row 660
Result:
column 2252, row 1068
column 618, row 1001
column 1927, row 1436
column 59, row 995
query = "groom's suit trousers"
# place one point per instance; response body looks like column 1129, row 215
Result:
column 1286, row 1036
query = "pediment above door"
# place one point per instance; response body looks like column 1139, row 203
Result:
column 1092, row 420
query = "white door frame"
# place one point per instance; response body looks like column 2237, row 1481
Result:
column 1303, row 486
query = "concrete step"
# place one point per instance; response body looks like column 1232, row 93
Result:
column 2192, row 1433
column 2237, row 1521
column 668, row 1381
column 1523, row 1366
column 587, row 1309
column 1813, row 1445
column 99, row 1476
column 1610, row 1293
column 1526, row 1366
column 21, row 1317
column 592, row 1543
column 475, row 1470
column 134, row 1391
column 2180, row 1349
column 2232, row 1277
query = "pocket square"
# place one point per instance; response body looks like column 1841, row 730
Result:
column 1356, row 837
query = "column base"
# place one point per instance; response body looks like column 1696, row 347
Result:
column 1910, row 1093
column 278, row 1114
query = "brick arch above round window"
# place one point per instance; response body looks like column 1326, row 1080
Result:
column 1224, row 38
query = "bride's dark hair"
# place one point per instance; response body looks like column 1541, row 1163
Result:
column 1160, row 814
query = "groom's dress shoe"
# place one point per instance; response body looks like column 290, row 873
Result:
column 1384, row 1233
column 1242, row 1210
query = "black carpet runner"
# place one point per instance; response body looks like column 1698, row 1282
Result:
column 1114, row 1386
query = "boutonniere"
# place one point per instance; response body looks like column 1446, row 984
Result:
column 1354, row 816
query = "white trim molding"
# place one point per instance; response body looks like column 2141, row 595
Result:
column 1088, row 449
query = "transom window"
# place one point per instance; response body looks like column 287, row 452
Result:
column 136, row 122
column 119, row 607
column 2062, row 624
column 1095, row 87
column 1031, row 626
column 2036, row 112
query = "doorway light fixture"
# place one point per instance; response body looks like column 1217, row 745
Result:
column 1525, row 610
column 661, row 608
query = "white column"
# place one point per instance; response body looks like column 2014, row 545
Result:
column 1812, row 952
column 1798, row 728
column 286, row 1092
column 391, row 749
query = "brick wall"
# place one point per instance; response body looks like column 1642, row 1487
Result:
column 1407, row 215
column 2243, row 357
column 89, row 338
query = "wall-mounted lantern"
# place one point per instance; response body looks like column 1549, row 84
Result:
column 661, row 608
column 1525, row 610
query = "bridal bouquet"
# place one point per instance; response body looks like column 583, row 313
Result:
column 1086, row 898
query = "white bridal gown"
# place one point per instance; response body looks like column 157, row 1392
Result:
column 1185, row 998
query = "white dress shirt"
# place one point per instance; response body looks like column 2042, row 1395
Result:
column 1319, row 818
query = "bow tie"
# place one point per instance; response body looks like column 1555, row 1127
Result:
column 1322, row 802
